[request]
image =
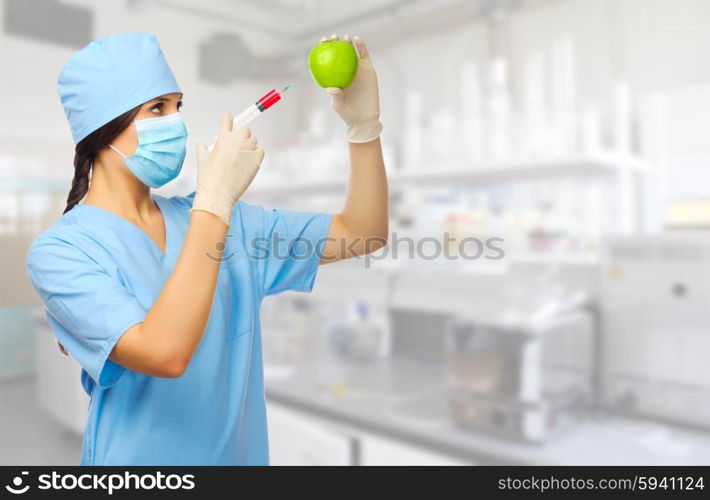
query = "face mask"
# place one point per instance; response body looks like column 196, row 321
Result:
column 161, row 149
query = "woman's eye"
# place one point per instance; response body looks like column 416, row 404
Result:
column 159, row 107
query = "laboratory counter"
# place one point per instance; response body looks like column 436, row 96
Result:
column 406, row 401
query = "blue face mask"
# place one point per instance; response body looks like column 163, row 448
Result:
column 161, row 149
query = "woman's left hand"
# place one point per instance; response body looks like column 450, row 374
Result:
column 359, row 103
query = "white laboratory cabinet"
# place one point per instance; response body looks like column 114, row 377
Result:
column 655, row 297
column 375, row 450
column 297, row 437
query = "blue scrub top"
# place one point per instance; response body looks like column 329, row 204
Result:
column 98, row 274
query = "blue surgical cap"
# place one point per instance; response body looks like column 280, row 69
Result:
column 110, row 76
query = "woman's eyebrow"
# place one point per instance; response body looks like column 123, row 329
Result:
column 163, row 99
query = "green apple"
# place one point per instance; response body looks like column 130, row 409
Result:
column 333, row 63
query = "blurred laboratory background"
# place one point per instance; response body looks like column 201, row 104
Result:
column 564, row 141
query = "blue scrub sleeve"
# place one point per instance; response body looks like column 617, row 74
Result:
column 88, row 309
column 291, row 249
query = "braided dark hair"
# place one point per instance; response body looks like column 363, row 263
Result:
column 86, row 151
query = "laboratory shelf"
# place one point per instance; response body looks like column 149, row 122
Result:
column 499, row 172
column 519, row 171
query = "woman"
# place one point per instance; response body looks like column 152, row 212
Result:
column 158, row 297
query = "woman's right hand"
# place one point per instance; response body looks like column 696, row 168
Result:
column 225, row 172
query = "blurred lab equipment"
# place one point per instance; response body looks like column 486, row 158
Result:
column 518, row 348
column 655, row 315
column 287, row 326
column 360, row 337
column 523, row 381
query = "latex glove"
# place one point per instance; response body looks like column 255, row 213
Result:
column 225, row 172
column 359, row 103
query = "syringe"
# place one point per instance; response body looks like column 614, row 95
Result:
column 264, row 103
